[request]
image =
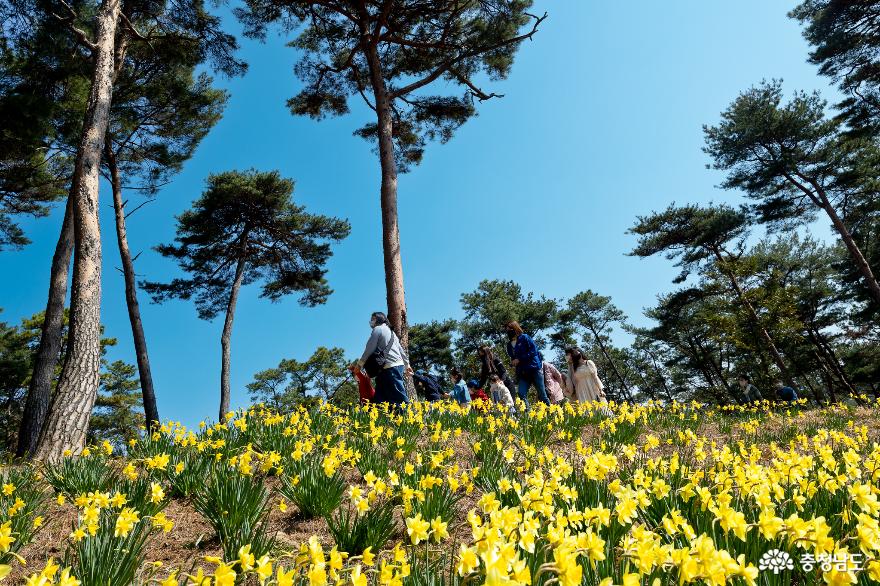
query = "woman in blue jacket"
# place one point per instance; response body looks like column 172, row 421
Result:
column 526, row 359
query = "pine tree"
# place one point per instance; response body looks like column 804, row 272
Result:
column 845, row 36
column 795, row 163
column 324, row 375
column 32, row 172
column 702, row 238
column 245, row 228
column 98, row 39
column 118, row 414
column 595, row 317
column 389, row 53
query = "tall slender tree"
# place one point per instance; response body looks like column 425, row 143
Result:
column 845, row 37
column 703, row 237
column 795, row 162
column 97, row 48
column 36, row 405
column 390, row 52
column 51, row 78
column 71, row 406
column 246, row 228
column 161, row 112
column 596, row 316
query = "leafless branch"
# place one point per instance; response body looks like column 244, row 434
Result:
column 450, row 63
column 81, row 35
column 139, row 207
column 475, row 91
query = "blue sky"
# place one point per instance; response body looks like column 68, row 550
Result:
column 601, row 121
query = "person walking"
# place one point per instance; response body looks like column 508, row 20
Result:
column 554, row 382
column 583, row 380
column 384, row 359
column 491, row 364
column 526, row 359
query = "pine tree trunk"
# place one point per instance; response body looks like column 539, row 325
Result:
column 226, row 338
column 699, row 356
column 40, row 390
column 72, row 403
column 826, row 373
column 394, row 288
column 835, row 362
column 151, row 411
column 714, row 367
column 820, row 198
column 764, row 334
column 662, row 376
column 854, row 251
column 619, row 376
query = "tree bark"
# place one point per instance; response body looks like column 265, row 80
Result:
column 699, row 356
column 662, row 376
column 854, row 250
column 394, row 289
column 40, row 390
column 825, row 372
column 821, row 199
column 619, row 376
column 714, row 367
column 830, row 356
column 835, row 362
column 764, row 334
column 226, row 337
column 151, row 410
column 72, row 403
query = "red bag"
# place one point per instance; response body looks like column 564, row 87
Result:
column 365, row 386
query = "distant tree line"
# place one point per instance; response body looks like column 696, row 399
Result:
column 122, row 89
column 757, row 293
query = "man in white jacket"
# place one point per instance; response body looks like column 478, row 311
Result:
column 389, row 382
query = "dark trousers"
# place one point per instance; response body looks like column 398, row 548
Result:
column 389, row 386
column 532, row 378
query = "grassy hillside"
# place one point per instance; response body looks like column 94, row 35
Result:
column 439, row 495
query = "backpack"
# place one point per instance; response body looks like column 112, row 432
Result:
column 376, row 362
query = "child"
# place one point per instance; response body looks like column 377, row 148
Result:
column 477, row 394
column 500, row 393
column 459, row 391
column 365, row 385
